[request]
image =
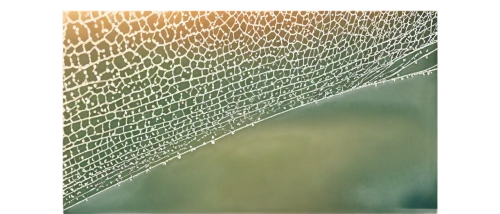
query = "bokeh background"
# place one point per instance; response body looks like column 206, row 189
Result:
column 371, row 150
column 468, row 94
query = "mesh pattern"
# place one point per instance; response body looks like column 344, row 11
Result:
column 142, row 88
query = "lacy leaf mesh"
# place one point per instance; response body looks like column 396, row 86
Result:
column 142, row 88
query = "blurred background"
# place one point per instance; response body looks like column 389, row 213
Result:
column 370, row 150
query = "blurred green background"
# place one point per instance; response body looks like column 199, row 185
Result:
column 370, row 150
